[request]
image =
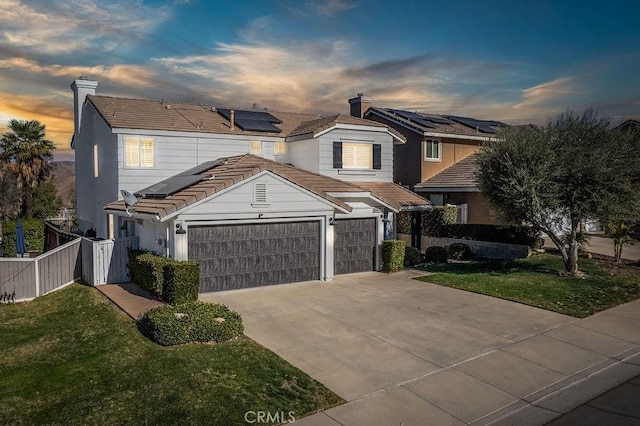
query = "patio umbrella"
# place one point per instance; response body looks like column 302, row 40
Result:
column 21, row 244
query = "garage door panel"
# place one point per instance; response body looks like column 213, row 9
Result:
column 355, row 245
column 243, row 256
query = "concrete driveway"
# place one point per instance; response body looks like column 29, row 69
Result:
column 402, row 351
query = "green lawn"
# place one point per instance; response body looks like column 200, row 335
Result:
column 72, row 358
column 535, row 281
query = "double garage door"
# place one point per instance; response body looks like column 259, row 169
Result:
column 252, row 255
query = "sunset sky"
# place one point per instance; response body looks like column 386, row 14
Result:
column 515, row 61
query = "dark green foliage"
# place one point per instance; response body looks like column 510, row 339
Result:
column 575, row 168
column 191, row 322
column 412, row 256
column 45, row 201
column 181, row 283
column 149, row 273
column 33, row 234
column 436, row 254
column 403, row 222
column 393, row 255
column 435, row 220
column 522, row 235
column 459, row 251
column 10, row 195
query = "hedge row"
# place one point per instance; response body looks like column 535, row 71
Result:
column 431, row 220
column 191, row 322
column 393, row 255
column 173, row 281
column 522, row 235
column 33, row 235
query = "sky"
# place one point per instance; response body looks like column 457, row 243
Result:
column 515, row 61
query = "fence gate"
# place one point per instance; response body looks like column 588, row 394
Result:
column 105, row 261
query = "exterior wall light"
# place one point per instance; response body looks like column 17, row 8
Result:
column 180, row 230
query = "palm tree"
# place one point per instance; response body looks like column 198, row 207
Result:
column 26, row 151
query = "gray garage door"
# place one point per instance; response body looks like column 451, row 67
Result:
column 355, row 244
column 242, row 256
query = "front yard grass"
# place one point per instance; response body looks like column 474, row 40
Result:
column 535, row 281
column 72, row 358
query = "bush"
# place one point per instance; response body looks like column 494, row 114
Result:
column 33, row 235
column 522, row 235
column 151, row 274
column 403, row 222
column 436, row 254
column 181, row 282
column 392, row 255
column 191, row 322
column 435, row 220
column 136, row 272
column 459, row 251
column 412, row 256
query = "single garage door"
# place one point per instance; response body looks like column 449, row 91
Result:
column 355, row 245
column 252, row 255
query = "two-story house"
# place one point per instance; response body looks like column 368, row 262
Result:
column 437, row 161
column 256, row 197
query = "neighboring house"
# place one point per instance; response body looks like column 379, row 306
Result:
column 257, row 197
column 626, row 122
column 437, row 159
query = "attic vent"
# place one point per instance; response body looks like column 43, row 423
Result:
column 260, row 196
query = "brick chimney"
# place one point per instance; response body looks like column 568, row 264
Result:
column 359, row 105
column 81, row 88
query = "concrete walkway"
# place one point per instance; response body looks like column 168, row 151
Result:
column 401, row 351
column 602, row 244
column 133, row 300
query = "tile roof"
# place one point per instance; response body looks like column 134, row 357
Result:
column 393, row 194
column 458, row 176
column 176, row 116
column 450, row 127
column 239, row 168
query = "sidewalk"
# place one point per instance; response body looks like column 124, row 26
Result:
column 133, row 300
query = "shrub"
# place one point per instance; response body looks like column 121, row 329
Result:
column 435, row 220
column 191, row 322
column 522, row 235
column 403, row 222
column 149, row 272
column 412, row 256
column 181, row 282
column 33, row 235
column 459, row 251
column 436, row 254
column 136, row 273
column 392, row 255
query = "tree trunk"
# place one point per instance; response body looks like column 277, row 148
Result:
column 617, row 250
column 559, row 244
column 571, row 266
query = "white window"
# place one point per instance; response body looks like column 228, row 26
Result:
column 280, row 148
column 95, row 161
column 431, row 150
column 139, row 152
column 357, row 156
column 255, row 147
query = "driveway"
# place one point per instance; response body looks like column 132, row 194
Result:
column 405, row 351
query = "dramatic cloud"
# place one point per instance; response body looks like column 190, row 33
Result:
column 68, row 26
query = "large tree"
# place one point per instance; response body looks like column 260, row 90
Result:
column 555, row 177
column 9, row 194
column 29, row 155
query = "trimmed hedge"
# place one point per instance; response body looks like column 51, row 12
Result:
column 393, row 255
column 191, row 322
column 403, row 222
column 459, row 251
column 33, row 235
column 171, row 280
column 521, row 235
column 436, row 254
column 412, row 256
column 181, row 282
column 434, row 221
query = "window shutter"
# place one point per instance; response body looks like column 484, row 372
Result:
column 377, row 156
column 337, row 155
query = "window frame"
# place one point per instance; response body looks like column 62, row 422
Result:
column 139, row 140
column 439, row 147
column 252, row 150
column 280, row 148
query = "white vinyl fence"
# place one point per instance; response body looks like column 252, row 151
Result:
column 105, row 261
column 24, row 279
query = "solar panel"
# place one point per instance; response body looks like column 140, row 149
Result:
column 169, row 186
column 435, row 119
column 416, row 118
column 203, row 167
column 423, row 122
column 480, row 125
column 256, row 125
column 249, row 115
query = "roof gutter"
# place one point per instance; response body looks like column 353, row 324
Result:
column 143, row 216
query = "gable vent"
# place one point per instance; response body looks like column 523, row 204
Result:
column 261, row 193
